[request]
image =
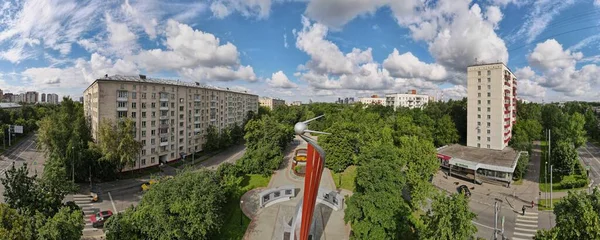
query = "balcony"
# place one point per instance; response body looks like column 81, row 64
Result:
column 506, row 126
column 163, row 108
column 197, row 114
column 121, row 109
column 162, row 144
column 163, row 126
column 197, row 130
column 507, row 84
column 507, row 77
column 197, row 121
column 197, row 100
column 163, row 117
column 164, row 99
column 506, row 119
column 121, row 99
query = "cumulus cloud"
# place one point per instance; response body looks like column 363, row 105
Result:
column 138, row 15
column 409, row 66
column 197, row 55
column 493, row 15
column 280, row 80
column 336, row 13
column 247, row 8
column 455, row 92
column 121, row 38
column 549, row 56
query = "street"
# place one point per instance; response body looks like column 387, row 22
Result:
column 24, row 152
column 590, row 155
column 117, row 196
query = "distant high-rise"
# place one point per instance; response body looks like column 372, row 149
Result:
column 1, row 96
column 31, row 97
column 52, row 98
column 271, row 103
column 491, row 105
column 43, row 98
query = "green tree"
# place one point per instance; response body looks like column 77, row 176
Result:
column 122, row 226
column 19, row 189
column 576, row 218
column 449, row 218
column 564, row 157
column 188, row 206
column 65, row 224
column 445, row 131
column 575, row 129
column 237, row 134
column 341, row 146
column 212, row 139
column 117, row 143
column 422, row 163
column 14, row 226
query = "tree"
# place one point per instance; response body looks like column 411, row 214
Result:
column 19, row 189
column 521, row 168
column 212, row 139
column 564, row 156
column 65, row 224
column 449, row 218
column 188, row 206
column 422, row 163
column 576, row 218
column 445, row 131
column 117, row 143
column 341, row 146
column 121, row 226
column 14, row 226
column 575, row 130
column 237, row 134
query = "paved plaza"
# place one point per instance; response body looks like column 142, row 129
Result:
column 270, row 222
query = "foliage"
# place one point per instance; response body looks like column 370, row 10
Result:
column 348, row 178
column 421, row 164
column 212, row 139
column 576, row 217
column 575, row 130
column 188, row 206
column 14, row 226
column 449, row 218
column 445, row 132
column 117, row 143
column 65, row 224
column 521, row 168
column 564, row 157
column 341, row 147
column 19, row 189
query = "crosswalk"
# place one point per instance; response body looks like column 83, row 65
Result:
column 85, row 202
column 526, row 226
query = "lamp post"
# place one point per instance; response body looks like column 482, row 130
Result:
column 340, row 178
column 73, row 163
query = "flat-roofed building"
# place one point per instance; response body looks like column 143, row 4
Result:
column 373, row 100
column 171, row 117
column 271, row 103
column 410, row 100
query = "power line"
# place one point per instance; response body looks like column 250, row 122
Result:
column 552, row 36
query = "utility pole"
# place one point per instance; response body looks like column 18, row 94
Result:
column 497, row 208
column 550, row 186
column 73, row 162
column 9, row 133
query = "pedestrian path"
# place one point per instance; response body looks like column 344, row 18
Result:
column 85, row 203
column 526, row 226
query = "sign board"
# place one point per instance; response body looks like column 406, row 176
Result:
column 18, row 129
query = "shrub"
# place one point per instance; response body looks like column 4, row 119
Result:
column 573, row 182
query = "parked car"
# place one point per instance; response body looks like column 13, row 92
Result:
column 463, row 189
column 100, row 218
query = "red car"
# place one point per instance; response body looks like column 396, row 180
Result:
column 98, row 219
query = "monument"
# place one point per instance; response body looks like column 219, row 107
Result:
column 315, row 162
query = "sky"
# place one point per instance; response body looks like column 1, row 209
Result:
column 300, row 50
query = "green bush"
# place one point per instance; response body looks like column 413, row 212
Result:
column 573, row 181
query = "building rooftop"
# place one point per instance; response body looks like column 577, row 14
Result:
column 9, row 105
column 499, row 160
column 145, row 79
column 493, row 63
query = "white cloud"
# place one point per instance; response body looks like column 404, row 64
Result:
column 409, row 66
column 141, row 15
column 195, row 54
column 586, row 41
column 247, row 8
column 539, row 16
column 285, row 44
column 280, row 80
column 336, row 13
column 121, row 39
column 455, row 92
column 597, row 3
column 493, row 15
column 549, row 56
column 88, row 44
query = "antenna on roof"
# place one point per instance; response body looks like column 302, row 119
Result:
column 105, row 75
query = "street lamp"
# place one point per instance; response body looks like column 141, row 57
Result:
column 241, row 213
column 73, row 163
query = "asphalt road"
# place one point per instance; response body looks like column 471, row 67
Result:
column 485, row 219
column 590, row 155
column 23, row 152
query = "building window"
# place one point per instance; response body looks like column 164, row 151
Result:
column 153, row 123
column 133, row 114
column 488, row 124
column 489, row 102
column 121, row 114
column 478, row 94
column 153, row 105
column 134, row 105
column 478, row 87
column 488, row 109
column 478, row 145
column 479, row 80
column 143, row 152
column 478, row 130
column 134, row 94
column 478, row 115
column 143, row 161
column 152, row 141
column 479, row 109
column 489, row 80
column 488, row 146
column 478, row 101
column 489, row 94
column 143, row 124
column 478, row 138
column 489, row 72
column 181, row 100
column 153, row 114
column 181, row 132
column 143, row 105
column 488, row 117
column 152, row 150
column 143, row 133
column 144, row 94
column 153, row 94
column 151, row 160
column 478, row 123
column 488, row 139
column 143, row 143
column 488, row 131
column 121, row 104
column 489, row 87
column 153, row 133
column 478, row 73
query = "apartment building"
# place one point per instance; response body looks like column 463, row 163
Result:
column 1, row 95
column 491, row 105
column 171, row 117
column 43, row 98
column 271, row 103
column 296, row 103
column 31, row 97
column 410, row 100
column 372, row 100
column 52, row 98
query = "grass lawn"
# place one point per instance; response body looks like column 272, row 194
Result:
column 348, row 177
column 556, row 186
column 232, row 228
column 544, row 204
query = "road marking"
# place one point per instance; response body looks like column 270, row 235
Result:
column 516, row 238
column 529, row 217
column 526, row 221
column 526, row 225
column 526, row 230
column 485, row 226
column 113, row 203
column 524, row 234
column 531, row 213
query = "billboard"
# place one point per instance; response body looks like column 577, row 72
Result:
column 18, row 129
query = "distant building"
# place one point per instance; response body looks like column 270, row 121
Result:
column 81, row 99
column 9, row 106
column 410, row 100
column 271, row 103
column 1, row 95
column 43, row 100
column 296, row 103
column 8, row 97
column 31, row 97
column 345, row 101
column 373, row 100
column 52, row 98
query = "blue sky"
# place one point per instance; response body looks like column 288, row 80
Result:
column 301, row 50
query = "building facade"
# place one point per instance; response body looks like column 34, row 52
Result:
column 271, row 103
column 171, row 117
column 409, row 100
column 1, row 95
column 31, row 97
column 43, row 100
column 491, row 105
column 296, row 103
column 52, row 98
column 373, row 100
